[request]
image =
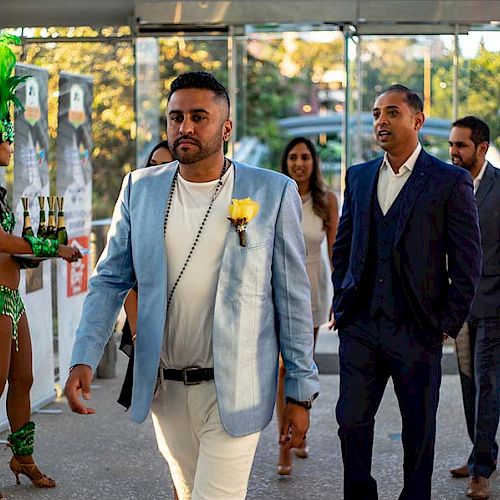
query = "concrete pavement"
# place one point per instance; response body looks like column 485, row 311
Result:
column 107, row 457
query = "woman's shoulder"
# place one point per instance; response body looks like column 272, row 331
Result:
column 331, row 199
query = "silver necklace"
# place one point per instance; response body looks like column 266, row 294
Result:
column 225, row 166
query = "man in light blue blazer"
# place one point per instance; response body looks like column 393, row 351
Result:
column 218, row 300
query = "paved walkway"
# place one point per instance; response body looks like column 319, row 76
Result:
column 107, row 457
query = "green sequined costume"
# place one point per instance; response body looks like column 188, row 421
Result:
column 22, row 441
column 43, row 247
column 11, row 305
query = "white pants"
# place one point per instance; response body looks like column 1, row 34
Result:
column 205, row 462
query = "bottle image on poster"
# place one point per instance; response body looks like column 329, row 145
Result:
column 31, row 169
column 74, row 170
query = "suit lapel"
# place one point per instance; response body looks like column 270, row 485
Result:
column 159, row 192
column 369, row 185
column 485, row 185
column 240, row 190
column 417, row 180
column 163, row 189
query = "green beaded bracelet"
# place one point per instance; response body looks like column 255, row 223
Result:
column 43, row 247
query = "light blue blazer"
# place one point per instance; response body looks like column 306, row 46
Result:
column 262, row 304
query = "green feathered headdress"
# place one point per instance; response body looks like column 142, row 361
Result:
column 8, row 85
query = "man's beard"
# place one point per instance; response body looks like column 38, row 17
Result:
column 459, row 162
column 200, row 152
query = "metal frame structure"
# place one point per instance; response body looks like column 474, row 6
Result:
column 204, row 13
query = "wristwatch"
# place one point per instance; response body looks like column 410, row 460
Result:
column 307, row 404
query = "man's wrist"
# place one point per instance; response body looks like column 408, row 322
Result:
column 71, row 368
column 306, row 404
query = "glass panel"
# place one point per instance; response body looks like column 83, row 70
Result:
column 292, row 84
column 354, row 115
column 147, row 98
column 479, row 89
column 111, row 65
column 422, row 63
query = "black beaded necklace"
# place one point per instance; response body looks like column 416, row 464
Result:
column 225, row 166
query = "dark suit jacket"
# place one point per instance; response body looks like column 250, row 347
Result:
column 487, row 301
column 437, row 249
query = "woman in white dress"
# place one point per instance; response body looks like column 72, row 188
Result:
column 320, row 215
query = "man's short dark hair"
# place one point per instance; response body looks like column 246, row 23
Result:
column 199, row 80
column 480, row 132
column 411, row 97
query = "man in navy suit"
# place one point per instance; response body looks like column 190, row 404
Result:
column 478, row 345
column 406, row 262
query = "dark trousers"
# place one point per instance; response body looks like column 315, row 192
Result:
column 372, row 350
column 478, row 352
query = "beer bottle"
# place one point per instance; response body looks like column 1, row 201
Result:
column 62, row 234
column 51, row 227
column 42, row 226
column 27, row 229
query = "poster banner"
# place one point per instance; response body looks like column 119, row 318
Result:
column 31, row 179
column 74, row 183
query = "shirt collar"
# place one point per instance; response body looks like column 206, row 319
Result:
column 409, row 164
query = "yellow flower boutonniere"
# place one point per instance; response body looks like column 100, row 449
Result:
column 241, row 212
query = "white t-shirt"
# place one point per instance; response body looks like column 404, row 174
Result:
column 188, row 333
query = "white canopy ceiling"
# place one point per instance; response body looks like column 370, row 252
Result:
column 16, row 13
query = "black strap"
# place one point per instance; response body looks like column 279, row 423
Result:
column 190, row 375
column 125, row 397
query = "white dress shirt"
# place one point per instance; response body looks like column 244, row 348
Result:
column 479, row 176
column 390, row 184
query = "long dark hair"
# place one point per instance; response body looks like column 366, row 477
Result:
column 162, row 144
column 316, row 183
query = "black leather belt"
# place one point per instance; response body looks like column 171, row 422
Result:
column 191, row 375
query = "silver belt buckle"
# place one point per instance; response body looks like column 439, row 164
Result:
column 185, row 372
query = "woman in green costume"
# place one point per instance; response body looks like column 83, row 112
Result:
column 15, row 341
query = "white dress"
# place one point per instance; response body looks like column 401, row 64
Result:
column 317, row 262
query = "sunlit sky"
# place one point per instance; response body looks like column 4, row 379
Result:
column 470, row 43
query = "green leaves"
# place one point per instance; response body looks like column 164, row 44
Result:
column 8, row 83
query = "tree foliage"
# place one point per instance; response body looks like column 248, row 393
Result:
column 111, row 65
column 480, row 89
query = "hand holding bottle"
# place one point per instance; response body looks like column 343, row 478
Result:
column 69, row 254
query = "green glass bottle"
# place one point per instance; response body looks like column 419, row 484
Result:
column 42, row 226
column 27, row 229
column 62, row 234
column 51, row 224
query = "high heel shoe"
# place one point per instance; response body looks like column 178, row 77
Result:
column 303, row 450
column 284, row 461
column 32, row 472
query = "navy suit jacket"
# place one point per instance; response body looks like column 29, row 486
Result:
column 487, row 301
column 437, row 248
